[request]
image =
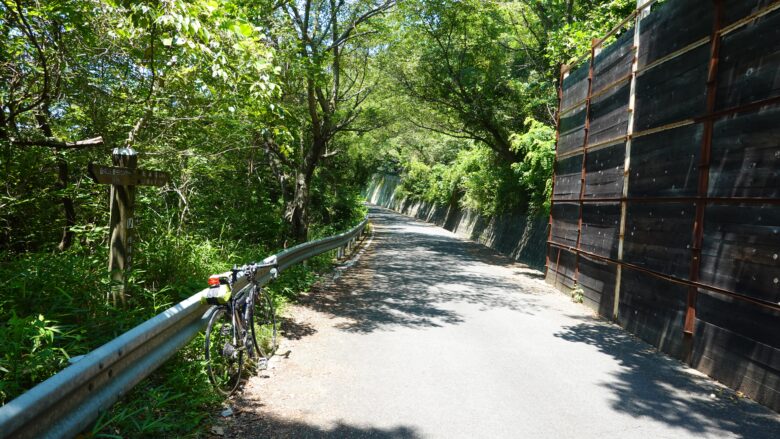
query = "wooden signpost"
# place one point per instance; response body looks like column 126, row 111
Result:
column 123, row 177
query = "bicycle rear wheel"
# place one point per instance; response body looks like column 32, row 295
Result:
column 264, row 327
column 224, row 358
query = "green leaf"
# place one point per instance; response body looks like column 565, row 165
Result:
column 246, row 29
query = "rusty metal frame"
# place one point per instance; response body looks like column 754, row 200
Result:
column 641, row 13
column 743, row 297
column 689, row 199
column 557, row 264
column 704, row 171
column 552, row 189
column 645, row 6
column 584, row 172
column 701, row 199
column 750, row 106
column 693, row 285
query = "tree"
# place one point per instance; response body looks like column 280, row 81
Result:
column 464, row 62
column 36, row 37
column 327, row 46
column 81, row 74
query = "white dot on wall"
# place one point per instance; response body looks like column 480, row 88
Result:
column 774, row 256
column 776, row 280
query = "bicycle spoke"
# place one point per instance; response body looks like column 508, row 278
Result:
column 265, row 325
column 224, row 360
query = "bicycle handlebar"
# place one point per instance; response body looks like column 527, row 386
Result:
column 249, row 270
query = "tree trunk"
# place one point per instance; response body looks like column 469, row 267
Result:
column 300, row 210
column 62, row 182
column 299, row 218
column 67, row 204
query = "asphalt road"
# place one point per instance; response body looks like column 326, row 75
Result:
column 428, row 335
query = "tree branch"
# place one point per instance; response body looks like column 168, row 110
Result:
column 56, row 143
column 360, row 19
column 327, row 154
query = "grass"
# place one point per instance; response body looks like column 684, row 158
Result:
column 54, row 307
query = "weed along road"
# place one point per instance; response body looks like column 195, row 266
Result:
column 428, row 335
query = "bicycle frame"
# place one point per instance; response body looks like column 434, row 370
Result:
column 239, row 310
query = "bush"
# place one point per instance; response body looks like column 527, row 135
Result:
column 54, row 306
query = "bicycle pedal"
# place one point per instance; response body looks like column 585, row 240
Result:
column 262, row 363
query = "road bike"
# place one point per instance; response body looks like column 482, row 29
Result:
column 243, row 325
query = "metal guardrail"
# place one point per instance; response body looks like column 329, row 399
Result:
column 66, row 404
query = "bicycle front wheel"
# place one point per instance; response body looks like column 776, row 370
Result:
column 224, row 356
column 264, row 325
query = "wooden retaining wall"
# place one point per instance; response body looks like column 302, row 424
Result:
column 666, row 206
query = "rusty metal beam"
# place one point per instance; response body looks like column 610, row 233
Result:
column 692, row 199
column 641, row 13
column 763, row 303
column 584, row 172
column 704, row 171
column 552, row 193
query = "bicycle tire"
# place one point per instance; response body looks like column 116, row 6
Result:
column 264, row 324
column 224, row 361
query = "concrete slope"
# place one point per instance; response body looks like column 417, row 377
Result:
column 428, row 335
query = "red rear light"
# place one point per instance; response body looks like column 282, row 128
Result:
column 214, row 281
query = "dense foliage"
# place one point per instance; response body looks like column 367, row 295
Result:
column 269, row 116
column 202, row 90
column 483, row 76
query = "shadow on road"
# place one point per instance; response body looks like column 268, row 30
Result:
column 415, row 274
column 292, row 330
column 250, row 425
column 651, row 385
